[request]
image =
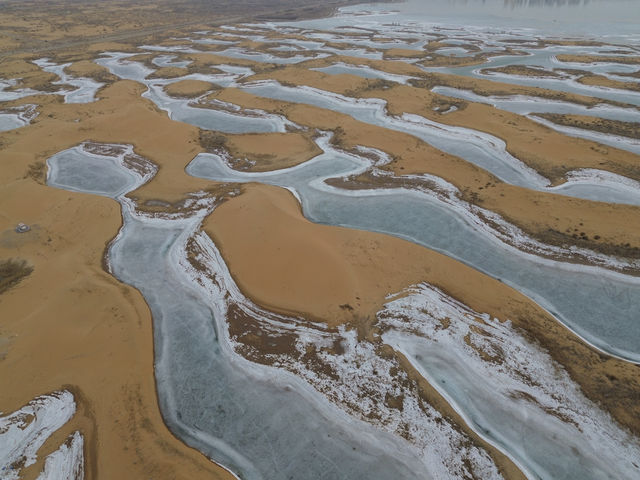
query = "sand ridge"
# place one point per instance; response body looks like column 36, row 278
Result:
column 188, row 88
column 270, row 151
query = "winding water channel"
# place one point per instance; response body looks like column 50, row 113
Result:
column 234, row 410
column 477, row 147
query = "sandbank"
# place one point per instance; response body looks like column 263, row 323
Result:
column 188, row 88
column 270, row 151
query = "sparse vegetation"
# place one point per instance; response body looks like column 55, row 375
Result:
column 602, row 125
column 12, row 272
column 522, row 70
column 36, row 171
column 212, row 141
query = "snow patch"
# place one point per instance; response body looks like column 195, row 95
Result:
column 23, row 432
column 66, row 463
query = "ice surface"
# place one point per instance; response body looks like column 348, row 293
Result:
column 362, row 71
column 525, row 402
column 86, row 88
column 16, row 117
column 85, row 168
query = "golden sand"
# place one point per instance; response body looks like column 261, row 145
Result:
column 87, row 329
column 403, row 53
column 170, row 72
column 87, row 68
column 271, row 151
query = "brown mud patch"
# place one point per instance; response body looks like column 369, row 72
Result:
column 168, row 72
column 12, row 272
column 598, row 59
column 602, row 81
column 89, row 69
column 522, row 70
column 489, row 88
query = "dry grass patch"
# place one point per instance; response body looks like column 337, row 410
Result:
column 89, row 69
column 602, row 125
column 169, row 72
column 12, row 272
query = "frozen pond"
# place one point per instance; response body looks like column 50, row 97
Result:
column 16, row 117
column 85, row 88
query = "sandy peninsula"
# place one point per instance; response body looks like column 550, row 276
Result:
column 188, row 88
column 264, row 227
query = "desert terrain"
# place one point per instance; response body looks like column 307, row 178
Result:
column 282, row 240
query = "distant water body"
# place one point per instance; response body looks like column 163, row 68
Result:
column 610, row 19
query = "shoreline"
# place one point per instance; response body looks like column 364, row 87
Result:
column 238, row 263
